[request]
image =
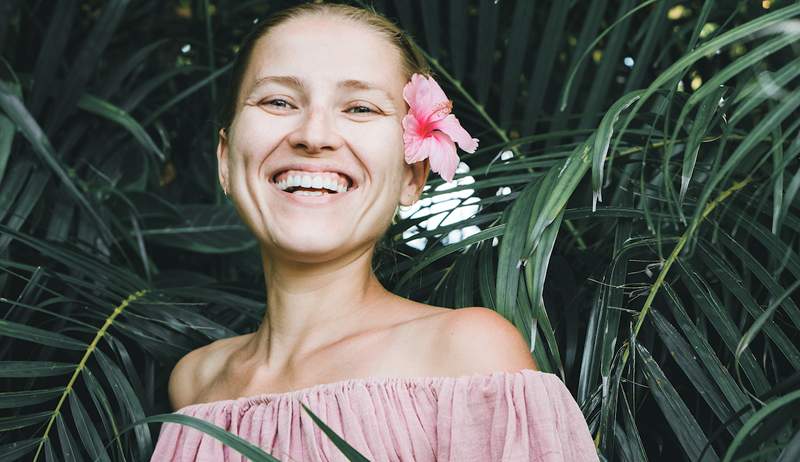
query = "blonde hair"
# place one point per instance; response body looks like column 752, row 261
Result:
column 412, row 60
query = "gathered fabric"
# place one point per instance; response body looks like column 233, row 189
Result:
column 518, row 416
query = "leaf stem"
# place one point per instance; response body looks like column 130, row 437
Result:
column 674, row 256
column 82, row 364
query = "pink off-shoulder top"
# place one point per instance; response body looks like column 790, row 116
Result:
column 517, row 416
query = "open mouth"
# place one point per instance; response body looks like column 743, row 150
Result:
column 302, row 183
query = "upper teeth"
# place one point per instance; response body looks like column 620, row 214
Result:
column 312, row 181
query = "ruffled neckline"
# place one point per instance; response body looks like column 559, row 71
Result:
column 346, row 384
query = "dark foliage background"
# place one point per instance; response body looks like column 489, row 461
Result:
column 669, row 308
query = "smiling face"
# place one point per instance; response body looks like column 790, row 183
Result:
column 320, row 94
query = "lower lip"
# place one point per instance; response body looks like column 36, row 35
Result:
column 313, row 200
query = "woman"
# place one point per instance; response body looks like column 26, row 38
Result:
column 320, row 90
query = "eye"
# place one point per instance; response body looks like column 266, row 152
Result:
column 277, row 102
column 363, row 110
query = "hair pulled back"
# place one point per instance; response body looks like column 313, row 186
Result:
column 412, row 60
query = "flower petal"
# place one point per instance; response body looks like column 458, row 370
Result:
column 442, row 154
column 430, row 130
column 456, row 132
column 410, row 126
column 424, row 96
column 412, row 142
column 414, row 151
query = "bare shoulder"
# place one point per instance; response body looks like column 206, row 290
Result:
column 480, row 340
column 197, row 369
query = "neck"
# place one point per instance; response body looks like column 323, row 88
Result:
column 311, row 305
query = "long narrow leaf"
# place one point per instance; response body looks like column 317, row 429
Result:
column 678, row 416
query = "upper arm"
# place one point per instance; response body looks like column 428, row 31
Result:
column 182, row 380
column 480, row 340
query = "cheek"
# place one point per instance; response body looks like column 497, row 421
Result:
column 254, row 138
column 379, row 146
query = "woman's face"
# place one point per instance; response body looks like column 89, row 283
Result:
column 322, row 99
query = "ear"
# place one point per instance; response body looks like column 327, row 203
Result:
column 414, row 180
column 222, row 160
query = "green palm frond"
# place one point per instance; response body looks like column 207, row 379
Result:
column 632, row 209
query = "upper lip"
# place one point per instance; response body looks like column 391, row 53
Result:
column 316, row 167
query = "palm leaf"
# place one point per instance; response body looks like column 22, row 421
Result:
column 679, row 247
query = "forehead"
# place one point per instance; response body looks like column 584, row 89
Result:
column 327, row 50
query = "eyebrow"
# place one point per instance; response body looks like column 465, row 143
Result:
column 292, row 81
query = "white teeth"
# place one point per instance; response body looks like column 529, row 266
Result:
column 331, row 183
column 308, row 193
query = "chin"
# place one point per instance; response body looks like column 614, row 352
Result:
column 306, row 248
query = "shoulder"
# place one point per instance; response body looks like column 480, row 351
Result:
column 480, row 340
column 183, row 379
column 198, row 369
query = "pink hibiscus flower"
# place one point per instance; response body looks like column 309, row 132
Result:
column 430, row 130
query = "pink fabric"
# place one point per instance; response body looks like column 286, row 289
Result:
column 520, row 416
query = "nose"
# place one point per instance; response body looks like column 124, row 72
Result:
column 316, row 132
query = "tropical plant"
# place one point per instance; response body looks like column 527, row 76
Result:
column 633, row 209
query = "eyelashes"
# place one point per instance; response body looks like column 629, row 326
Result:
column 285, row 104
column 368, row 110
column 271, row 101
